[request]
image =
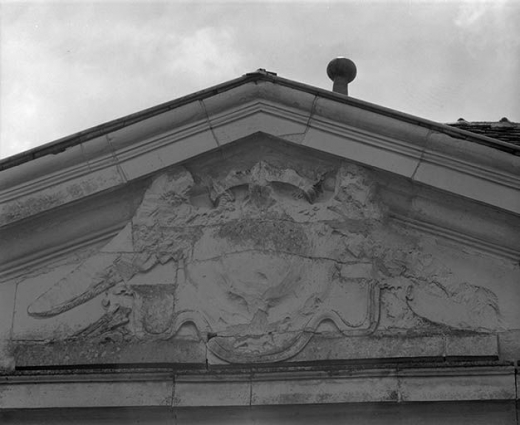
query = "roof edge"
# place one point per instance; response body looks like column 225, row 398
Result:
column 62, row 144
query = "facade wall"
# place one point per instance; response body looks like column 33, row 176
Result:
column 265, row 281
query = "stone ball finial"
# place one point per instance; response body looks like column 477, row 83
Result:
column 342, row 71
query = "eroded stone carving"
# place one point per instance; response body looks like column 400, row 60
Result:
column 262, row 256
column 464, row 306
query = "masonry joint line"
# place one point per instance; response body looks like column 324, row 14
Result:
column 203, row 106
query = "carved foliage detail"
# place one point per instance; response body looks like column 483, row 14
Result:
column 257, row 259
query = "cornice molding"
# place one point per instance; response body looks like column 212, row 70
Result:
column 255, row 79
column 422, row 159
column 458, row 237
column 170, row 388
column 114, row 160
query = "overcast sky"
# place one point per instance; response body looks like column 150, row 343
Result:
column 67, row 66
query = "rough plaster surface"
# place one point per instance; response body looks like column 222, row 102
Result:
column 253, row 257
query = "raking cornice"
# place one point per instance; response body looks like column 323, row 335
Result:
column 422, row 151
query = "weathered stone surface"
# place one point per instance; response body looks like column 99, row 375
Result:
column 256, row 258
column 468, row 413
column 472, row 345
column 80, row 352
column 364, row 388
column 361, row 152
column 372, row 347
column 381, row 346
column 107, row 312
column 89, row 416
column 188, row 147
column 462, row 413
column 146, row 387
column 452, row 385
column 34, row 200
column 517, row 390
column 484, row 288
column 456, row 307
column 455, row 180
column 211, row 392
column 250, row 250
column 62, row 326
column 509, row 343
column 293, row 271
column 65, row 394
column 85, row 225
column 7, row 297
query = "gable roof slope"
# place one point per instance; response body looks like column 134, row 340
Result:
column 509, row 134
column 460, row 162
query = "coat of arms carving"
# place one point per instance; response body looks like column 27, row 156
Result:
column 259, row 257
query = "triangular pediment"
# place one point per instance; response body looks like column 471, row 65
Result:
column 258, row 252
column 262, row 225
column 128, row 149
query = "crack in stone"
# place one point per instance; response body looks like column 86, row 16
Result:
column 277, row 252
column 237, row 220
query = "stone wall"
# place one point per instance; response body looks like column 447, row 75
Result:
column 260, row 257
column 267, row 259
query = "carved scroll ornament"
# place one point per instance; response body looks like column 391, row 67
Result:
column 263, row 256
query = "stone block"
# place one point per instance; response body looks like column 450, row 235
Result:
column 509, row 343
column 340, row 114
column 371, row 347
column 90, row 416
column 210, row 391
column 27, row 204
column 325, row 390
column 181, row 148
column 446, row 385
column 7, row 300
column 462, row 413
column 465, row 413
column 517, row 390
column 69, row 353
column 142, row 165
column 483, row 345
column 258, row 119
column 363, row 149
column 480, row 188
column 139, row 136
column 63, row 394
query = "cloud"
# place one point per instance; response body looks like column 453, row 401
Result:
column 68, row 69
column 69, row 66
column 470, row 13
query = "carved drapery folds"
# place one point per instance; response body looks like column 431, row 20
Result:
column 261, row 259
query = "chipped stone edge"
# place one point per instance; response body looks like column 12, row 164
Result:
column 140, row 389
column 250, row 118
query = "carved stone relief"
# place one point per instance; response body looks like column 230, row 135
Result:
column 263, row 255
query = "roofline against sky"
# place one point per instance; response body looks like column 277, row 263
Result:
column 62, row 144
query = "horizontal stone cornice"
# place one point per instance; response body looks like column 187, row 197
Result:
column 253, row 387
column 194, row 128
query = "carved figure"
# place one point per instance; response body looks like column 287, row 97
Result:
column 263, row 256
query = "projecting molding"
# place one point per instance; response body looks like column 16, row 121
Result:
column 260, row 222
column 265, row 252
column 116, row 153
column 291, row 387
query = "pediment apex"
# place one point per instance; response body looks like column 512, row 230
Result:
column 84, row 203
column 141, row 144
